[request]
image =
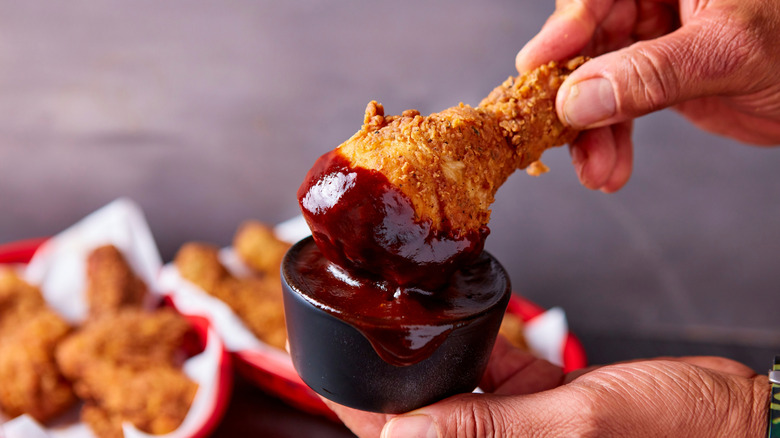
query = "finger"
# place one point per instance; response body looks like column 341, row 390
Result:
column 694, row 61
column 573, row 375
column 568, row 30
column 471, row 415
column 594, row 156
column 514, row 371
column 615, row 30
column 361, row 423
column 720, row 364
column 624, row 161
column 655, row 19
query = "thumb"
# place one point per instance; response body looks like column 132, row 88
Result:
column 470, row 415
column 700, row 59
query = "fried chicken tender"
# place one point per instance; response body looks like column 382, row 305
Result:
column 199, row 264
column 256, row 244
column 111, row 283
column 19, row 301
column 30, row 381
column 126, row 366
column 132, row 338
column 155, row 399
column 256, row 300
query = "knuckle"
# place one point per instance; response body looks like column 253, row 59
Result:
column 652, row 85
column 587, row 421
column 475, row 418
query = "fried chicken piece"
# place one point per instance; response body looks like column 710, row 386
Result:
column 258, row 247
column 155, row 399
column 126, row 367
column 30, row 381
column 256, row 300
column 199, row 264
column 19, row 301
column 111, row 283
column 132, row 338
column 415, row 191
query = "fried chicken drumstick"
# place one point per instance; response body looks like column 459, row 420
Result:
column 407, row 197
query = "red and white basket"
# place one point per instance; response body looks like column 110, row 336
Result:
column 209, row 364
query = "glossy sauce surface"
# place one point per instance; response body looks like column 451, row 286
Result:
column 403, row 324
column 362, row 222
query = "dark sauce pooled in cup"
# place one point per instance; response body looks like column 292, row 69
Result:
column 404, row 325
column 402, row 284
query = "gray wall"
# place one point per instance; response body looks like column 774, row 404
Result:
column 208, row 113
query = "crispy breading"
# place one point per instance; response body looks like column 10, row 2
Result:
column 104, row 424
column 199, row 264
column 30, row 381
column 111, row 283
column 256, row 300
column 258, row 247
column 132, row 338
column 450, row 164
column 19, row 301
column 155, row 399
column 126, row 367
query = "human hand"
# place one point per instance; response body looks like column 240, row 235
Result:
column 525, row 396
column 716, row 62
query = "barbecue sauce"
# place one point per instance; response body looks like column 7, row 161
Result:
column 400, row 282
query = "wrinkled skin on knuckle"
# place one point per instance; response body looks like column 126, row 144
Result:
column 649, row 80
column 474, row 417
column 588, row 418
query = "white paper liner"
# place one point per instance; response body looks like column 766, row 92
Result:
column 546, row 335
column 59, row 269
column 59, row 264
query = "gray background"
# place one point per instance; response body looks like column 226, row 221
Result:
column 209, row 113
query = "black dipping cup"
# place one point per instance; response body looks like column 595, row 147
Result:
column 337, row 360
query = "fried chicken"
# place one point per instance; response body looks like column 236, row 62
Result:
column 30, row 381
column 131, row 338
column 416, row 190
column 18, row 301
column 258, row 247
column 199, row 264
column 256, row 300
column 155, row 399
column 126, row 366
column 111, row 283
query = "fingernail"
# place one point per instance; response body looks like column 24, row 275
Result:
column 410, row 426
column 589, row 102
